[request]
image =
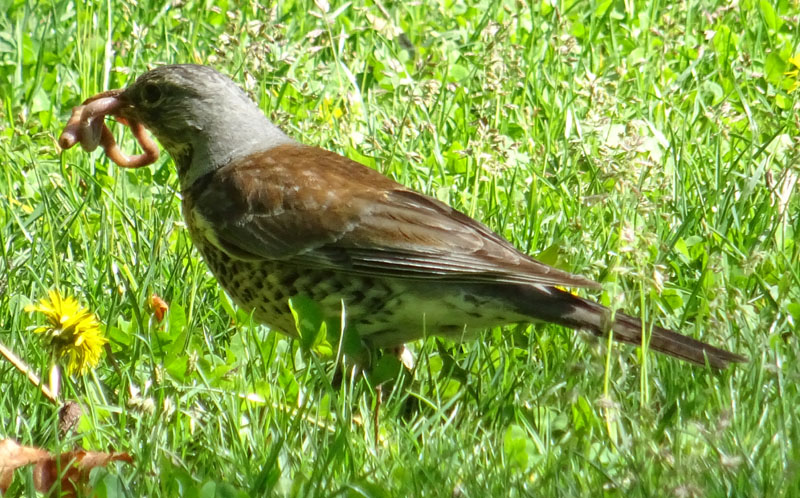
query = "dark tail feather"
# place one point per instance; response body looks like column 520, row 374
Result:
column 629, row 329
column 572, row 311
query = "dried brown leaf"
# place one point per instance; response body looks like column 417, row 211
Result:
column 159, row 307
column 72, row 467
column 12, row 455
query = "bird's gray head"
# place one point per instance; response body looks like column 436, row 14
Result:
column 201, row 117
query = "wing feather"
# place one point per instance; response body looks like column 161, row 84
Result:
column 315, row 207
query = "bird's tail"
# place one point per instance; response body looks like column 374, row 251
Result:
column 572, row 311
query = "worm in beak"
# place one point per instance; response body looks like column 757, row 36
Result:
column 87, row 126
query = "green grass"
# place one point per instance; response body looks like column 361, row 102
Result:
column 649, row 146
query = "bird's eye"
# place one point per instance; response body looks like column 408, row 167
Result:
column 151, row 93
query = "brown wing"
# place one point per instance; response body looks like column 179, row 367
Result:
column 313, row 206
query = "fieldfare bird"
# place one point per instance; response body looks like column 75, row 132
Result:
column 274, row 218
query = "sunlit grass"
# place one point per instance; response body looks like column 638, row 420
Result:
column 651, row 147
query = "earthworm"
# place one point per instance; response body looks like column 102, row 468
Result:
column 87, row 127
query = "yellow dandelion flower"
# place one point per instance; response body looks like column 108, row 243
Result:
column 794, row 61
column 73, row 332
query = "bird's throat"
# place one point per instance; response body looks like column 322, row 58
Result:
column 183, row 156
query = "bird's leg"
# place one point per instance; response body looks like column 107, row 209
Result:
column 376, row 415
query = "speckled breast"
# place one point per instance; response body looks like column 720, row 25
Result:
column 265, row 287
